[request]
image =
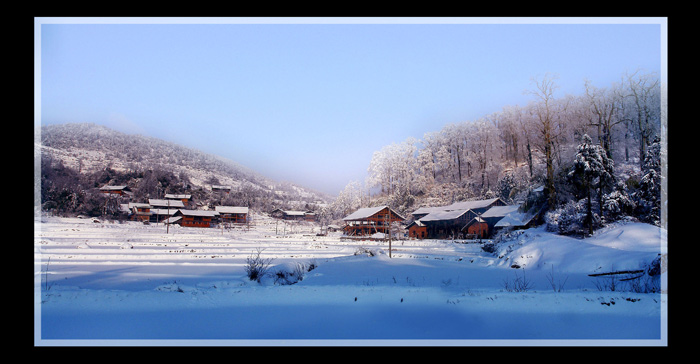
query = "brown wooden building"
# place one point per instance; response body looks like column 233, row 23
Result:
column 483, row 225
column 232, row 214
column 417, row 230
column 116, row 190
column 185, row 199
column 370, row 220
column 140, row 211
column 195, row 218
column 447, row 222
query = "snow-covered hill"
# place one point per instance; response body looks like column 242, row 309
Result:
column 87, row 147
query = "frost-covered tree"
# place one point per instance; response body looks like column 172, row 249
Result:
column 393, row 167
column 592, row 170
column 648, row 196
column 348, row 200
column 506, row 186
column 618, row 203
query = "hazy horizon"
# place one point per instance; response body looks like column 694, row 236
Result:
column 310, row 100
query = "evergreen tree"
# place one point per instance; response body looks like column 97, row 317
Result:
column 648, row 196
column 592, row 171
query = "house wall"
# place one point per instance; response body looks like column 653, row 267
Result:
column 196, row 221
column 480, row 229
column 418, row 232
column 235, row 218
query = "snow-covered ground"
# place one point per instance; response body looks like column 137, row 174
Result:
column 107, row 283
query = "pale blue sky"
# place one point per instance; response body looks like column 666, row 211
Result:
column 310, row 103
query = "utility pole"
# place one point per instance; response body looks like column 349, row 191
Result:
column 388, row 228
column 167, row 221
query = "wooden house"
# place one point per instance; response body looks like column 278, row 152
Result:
column 370, row 220
column 446, row 224
column 519, row 220
column 477, row 228
column 160, row 215
column 166, row 204
column 417, row 230
column 289, row 214
column 232, row 214
column 140, row 211
column 484, row 226
column 195, row 218
column 447, row 221
column 220, row 188
column 185, row 199
column 310, row 216
column 116, row 190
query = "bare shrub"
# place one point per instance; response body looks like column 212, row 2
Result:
column 256, row 266
column 518, row 284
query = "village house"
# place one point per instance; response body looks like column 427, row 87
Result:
column 519, row 220
column 185, row 199
column 160, row 215
column 447, row 221
column 220, row 188
column 293, row 215
column 310, row 216
column 195, row 218
column 139, row 211
column 232, row 214
column 116, row 190
column 370, row 220
column 417, row 230
column 166, row 204
column 483, row 226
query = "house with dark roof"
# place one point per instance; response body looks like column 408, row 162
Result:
column 446, row 222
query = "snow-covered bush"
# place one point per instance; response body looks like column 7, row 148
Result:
column 618, row 203
column 293, row 272
column 570, row 219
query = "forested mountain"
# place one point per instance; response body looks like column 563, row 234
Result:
column 554, row 142
column 76, row 159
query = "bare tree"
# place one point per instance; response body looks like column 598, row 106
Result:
column 544, row 112
column 644, row 113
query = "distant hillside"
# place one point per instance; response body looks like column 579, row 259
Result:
column 89, row 148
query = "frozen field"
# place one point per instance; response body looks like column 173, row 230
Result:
column 104, row 283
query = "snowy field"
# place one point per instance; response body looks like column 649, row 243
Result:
column 108, row 283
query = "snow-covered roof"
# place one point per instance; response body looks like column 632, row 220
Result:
column 138, row 205
column 171, row 203
column 417, row 223
column 443, row 215
column 470, row 205
column 169, row 195
column 113, row 188
column 197, row 213
column 163, row 211
column 500, row 211
column 294, row 213
column 514, row 219
column 457, row 206
column 172, row 220
column 366, row 212
column 231, row 209
column 427, row 210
